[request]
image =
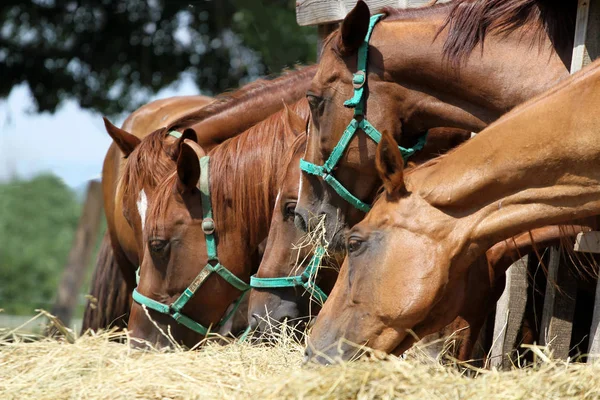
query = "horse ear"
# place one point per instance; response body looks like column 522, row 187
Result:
column 390, row 166
column 188, row 134
column 354, row 28
column 123, row 139
column 293, row 121
column 188, row 167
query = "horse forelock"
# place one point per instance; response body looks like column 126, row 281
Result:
column 147, row 165
column 470, row 21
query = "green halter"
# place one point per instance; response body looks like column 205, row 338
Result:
column 213, row 265
column 358, row 103
column 305, row 280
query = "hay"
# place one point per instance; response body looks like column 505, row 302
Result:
column 93, row 366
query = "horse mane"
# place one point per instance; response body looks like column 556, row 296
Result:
column 242, row 169
column 470, row 21
column 252, row 91
column 147, row 165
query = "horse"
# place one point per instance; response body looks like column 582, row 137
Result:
column 133, row 168
column 206, row 238
column 288, row 250
column 406, row 71
column 408, row 260
column 110, row 298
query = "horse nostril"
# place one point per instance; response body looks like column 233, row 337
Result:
column 253, row 322
column 300, row 222
column 307, row 356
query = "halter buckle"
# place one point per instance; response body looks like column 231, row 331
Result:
column 359, row 79
column 208, row 226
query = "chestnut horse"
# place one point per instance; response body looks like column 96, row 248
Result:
column 192, row 235
column 131, row 172
column 409, row 259
column 288, row 250
column 109, row 282
column 411, row 79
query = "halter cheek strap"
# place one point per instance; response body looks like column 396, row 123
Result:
column 306, row 279
column 358, row 122
column 212, row 266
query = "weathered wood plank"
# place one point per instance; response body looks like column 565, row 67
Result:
column 587, row 242
column 79, row 256
column 315, row 12
column 509, row 314
column 559, row 306
column 581, row 26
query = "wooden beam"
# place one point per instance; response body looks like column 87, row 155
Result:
column 315, row 12
column 559, row 306
column 80, row 254
column 509, row 314
column 587, row 242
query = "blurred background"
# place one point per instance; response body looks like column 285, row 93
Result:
column 66, row 63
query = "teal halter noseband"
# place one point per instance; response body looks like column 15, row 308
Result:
column 213, row 265
column 305, row 279
column 358, row 103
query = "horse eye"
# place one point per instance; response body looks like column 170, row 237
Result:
column 354, row 244
column 157, row 245
column 313, row 100
column 290, row 210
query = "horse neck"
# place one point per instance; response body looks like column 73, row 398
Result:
column 472, row 94
column 243, row 175
column 238, row 112
column 536, row 166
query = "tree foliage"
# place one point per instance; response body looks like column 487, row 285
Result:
column 110, row 55
column 38, row 218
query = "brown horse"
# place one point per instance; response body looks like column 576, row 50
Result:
column 409, row 259
column 111, row 279
column 242, row 179
column 414, row 82
column 131, row 172
column 288, row 250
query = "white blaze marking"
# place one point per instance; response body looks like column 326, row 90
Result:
column 473, row 134
column 276, row 200
column 142, row 205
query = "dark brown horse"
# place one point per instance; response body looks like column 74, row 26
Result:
column 131, row 172
column 409, row 259
column 421, row 74
column 243, row 185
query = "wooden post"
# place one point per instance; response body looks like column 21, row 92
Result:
column 509, row 314
column 323, row 31
column 80, row 254
column 559, row 306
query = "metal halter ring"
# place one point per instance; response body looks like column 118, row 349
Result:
column 358, row 79
column 208, row 226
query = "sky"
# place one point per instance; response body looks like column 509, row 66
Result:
column 71, row 143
